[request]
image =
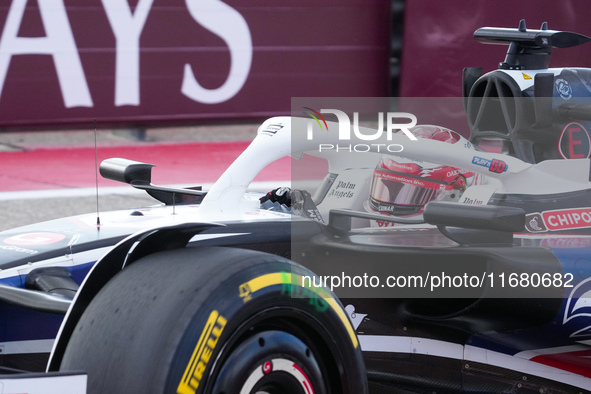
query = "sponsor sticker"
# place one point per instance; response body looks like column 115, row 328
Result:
column 477, row 195
column 34, row 239
column 574, row 142
column 415, row 181
column 381, row 223
column 567, row 242
column 566, row 219
column 534, row 223
column 343, row 190
column 494, row 165
column 272, row 129
column 578, row 308
column 563, row 88
column 201, row 355
column 560, row 219
column 17, row 249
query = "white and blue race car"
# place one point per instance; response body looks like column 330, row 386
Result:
column 398, row 275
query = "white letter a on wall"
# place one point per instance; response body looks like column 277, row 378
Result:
column 58, row 42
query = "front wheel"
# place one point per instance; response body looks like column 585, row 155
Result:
column 215, row 320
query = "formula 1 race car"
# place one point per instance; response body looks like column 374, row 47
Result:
column 419, row 262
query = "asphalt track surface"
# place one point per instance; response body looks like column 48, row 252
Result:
column 48, row 175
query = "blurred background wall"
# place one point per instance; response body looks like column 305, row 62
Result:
column 139, row 63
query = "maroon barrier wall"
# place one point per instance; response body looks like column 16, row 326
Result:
column 438, row 39
column 66, row 62
column 160, row 61
column 438, row 43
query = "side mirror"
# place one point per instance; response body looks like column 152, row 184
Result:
column 126, row 171
column 139, row 175
column 475, row 224
column 477, row 217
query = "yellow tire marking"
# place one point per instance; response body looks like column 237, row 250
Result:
column 280, row 278
column 203, row 350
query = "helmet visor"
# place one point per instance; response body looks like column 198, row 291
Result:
column 401, row 194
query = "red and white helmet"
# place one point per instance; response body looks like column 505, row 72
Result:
column 402, row 186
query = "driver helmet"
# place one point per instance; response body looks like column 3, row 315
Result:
column 402, row 186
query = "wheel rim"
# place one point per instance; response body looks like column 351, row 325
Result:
column 278, row 375
column 270, row 362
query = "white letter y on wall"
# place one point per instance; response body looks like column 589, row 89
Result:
column 127, row 28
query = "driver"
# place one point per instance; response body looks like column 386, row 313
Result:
column 403, row 186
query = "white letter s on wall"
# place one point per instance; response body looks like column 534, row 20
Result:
column 230, row 26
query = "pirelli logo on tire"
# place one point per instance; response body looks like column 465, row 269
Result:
column 201, row 355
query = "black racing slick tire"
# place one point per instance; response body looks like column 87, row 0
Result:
column 215, row 320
